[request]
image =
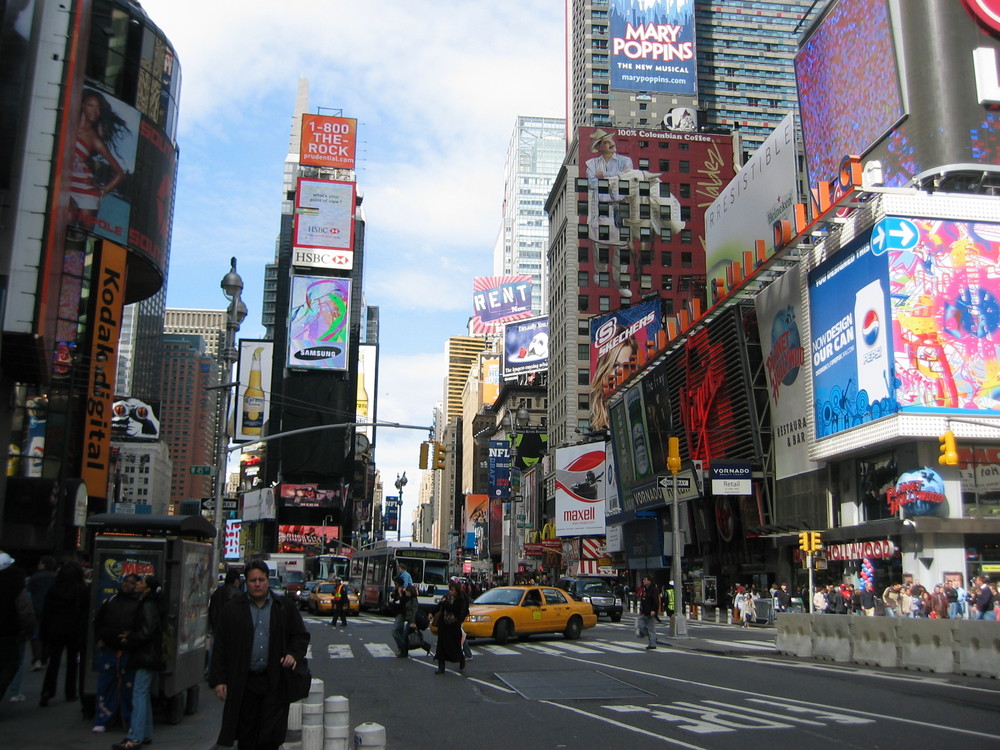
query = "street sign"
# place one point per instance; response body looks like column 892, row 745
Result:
column 227, row 504
column 645, row 514
column 202, row 470
column 683, row 483
column 524, row 525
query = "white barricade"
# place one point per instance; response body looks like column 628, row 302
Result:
column 831, row 637
column 977, row 645
column 794, row 635
column 370, row 735
column 875, row 641
column 926, row 645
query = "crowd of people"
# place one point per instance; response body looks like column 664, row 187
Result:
column 945, row 600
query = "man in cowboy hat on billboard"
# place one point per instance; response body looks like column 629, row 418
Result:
column 603, row 219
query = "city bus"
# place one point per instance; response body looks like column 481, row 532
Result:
column 329, row 567
column 373, row 568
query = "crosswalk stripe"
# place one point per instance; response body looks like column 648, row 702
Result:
column 572, row 647
column 542, row 649
column 492, row 648
column 380, row 649
column 621, row 647
column 750, row 645
column 339, row 651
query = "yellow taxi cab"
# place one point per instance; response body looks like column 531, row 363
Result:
column 320, row 599
column 507, row 611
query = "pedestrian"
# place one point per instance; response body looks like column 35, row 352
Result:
column 404, row 600
column 782, row 598
column 16, row 696
column 449, row 614
column 748, row 608
column 341, row 603
column 866, row 600
column 114, row 618
column 261, row 638
column 64, row 628
column 820, row 601
column 17, row 618
column 403, row 573
column 649, row 609
column 144, row 642
column 222, row 595
column 38, row 586
column 892, row 596
column 982, row 601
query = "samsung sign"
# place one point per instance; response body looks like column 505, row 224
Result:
column 310, row 257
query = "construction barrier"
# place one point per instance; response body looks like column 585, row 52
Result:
column 831, row 637
column 795, row 635
column 874, row 641
column 977, row 644
column 926, row 645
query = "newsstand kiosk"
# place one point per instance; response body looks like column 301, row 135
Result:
column 178, row 551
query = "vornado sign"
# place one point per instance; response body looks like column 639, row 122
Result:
column 311, row 257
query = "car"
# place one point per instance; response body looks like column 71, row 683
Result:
column 508, row 611
column 320, row 599
column 274, row 583
column 598, row 592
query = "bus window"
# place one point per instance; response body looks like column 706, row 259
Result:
column 436, row 572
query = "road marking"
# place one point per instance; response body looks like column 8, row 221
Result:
column 574, row 647
column 542, row 649
column 492, row 648
column 750, row 645
column 339, row 651
column 618, row 647
column 380, row 650
column 622, row 725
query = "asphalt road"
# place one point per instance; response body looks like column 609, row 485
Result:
column 721, row 687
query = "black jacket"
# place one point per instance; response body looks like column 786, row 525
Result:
column 114, row 617
column 145, row 639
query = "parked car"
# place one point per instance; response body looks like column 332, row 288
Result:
column 276, row 585
column 507, row 611
column 598, row 593
column 320, row 599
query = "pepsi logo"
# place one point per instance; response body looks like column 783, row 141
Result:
column 870, row 327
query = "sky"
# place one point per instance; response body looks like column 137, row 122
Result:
column 436, row 86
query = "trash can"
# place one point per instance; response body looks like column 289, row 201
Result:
column 178, row 550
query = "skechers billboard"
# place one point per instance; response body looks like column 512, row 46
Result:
column 652, row 46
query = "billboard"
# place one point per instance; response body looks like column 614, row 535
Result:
column 309, row 496
column 318, row 322
column 779, row 310
column 944, row 287
column 580, row 490
column 852, row 370
column 328, row 141
column 652, row 46
column 616, row 339
column 762, row 192
column 253, row 402
column 390, row 514
column 498, row 463
column 499, row 299
column 525, row 347
column 312, row 540
column 476, row 512
column 133, row 419
column 489, row 379
column 231, row 545
column 366, row 402
column 323, row 232
column 258, row 505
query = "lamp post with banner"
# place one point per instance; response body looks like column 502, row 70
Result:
column 515, row 420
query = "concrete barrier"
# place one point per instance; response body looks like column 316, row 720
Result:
column 977, row 647
column 795, row 635
column 874, row 641
column 926, row 645
column 831, row 637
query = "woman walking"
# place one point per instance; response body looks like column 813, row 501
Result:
column 449, row 614
column 144, row 645
column 63, row 628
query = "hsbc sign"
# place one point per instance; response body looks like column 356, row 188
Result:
column 310, row 257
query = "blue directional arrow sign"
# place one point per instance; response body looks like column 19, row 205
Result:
column 893, row 233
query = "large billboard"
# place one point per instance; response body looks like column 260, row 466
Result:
column 617, row 339
column 779, row 312
column 852, row 369
column 309, row 496
column 476, row 520
column 944, row 290
column 312, row 540
column 318, row 322
column 133, row 419
column 489, row 380
column 328, row 141
column 525, row 347
column 499, row 299
column 498, row 464
column 763, row 192
column 253, row 402
column 653, row 46
column 580, row 489
column 323, row 233
column 366, row 402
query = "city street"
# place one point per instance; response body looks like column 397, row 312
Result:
column 605, row 690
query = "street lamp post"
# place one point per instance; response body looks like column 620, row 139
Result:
column 232, row 288
column 520, row 419
column 400, row 484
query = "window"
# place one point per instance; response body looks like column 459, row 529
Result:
column 666, row 235
column 666, row 283
column 644, row 164
column 687, row 260
column 582, row 327
column 603, row 256
column 583, row 402
column 645, row 256
column 685, row 213
column 646, row 281
column 582, row 208
column 624, row 234
column 685, row 166
column 581, row 184
column 582, row 232
column 685, row 236
column 644, row 189
column 604, row 232
column 664, row 189
column 603, row 279
column 684, row 190
column 666, row 259
column 583, row 376
column 604, row 304
column 583, row 253
column 643, row 106
column 583, row 352
column 664, row 165
column 583, row 302
column 685, row 283
column 583, row 279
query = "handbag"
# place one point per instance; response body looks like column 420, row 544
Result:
column 414, row 640
column 299, row 681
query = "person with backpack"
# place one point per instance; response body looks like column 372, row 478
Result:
column 650, row 607
column 144, row 643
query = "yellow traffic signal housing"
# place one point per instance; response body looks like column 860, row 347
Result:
column 804, row 541
column 424, row 451
column 440, row 456
column 673, row 455
column 949, row 450
column 815, row 543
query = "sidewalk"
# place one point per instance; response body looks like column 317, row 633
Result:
column 61, row 725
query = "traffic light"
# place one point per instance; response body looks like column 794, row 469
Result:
column 424, row 450
column 804, row 541
column 673, row 455
column 440, row 456
column 949, row 451
column 815, row 543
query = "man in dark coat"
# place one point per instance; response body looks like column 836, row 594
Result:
column 113, row 620
column 260, row 639
column 17, row 619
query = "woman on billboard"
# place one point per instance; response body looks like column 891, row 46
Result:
column 96, row 172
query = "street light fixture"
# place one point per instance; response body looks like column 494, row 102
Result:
column 400, row 484
column 515, row 420
column 232, row 288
